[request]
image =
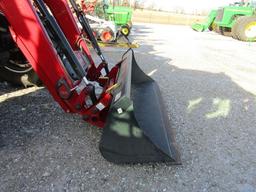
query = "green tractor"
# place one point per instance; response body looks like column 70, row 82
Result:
column 237, row 20
column 122, row 17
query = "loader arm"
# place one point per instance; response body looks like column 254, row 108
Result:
column 200, row 27
column 124, row 99
column 64, row 71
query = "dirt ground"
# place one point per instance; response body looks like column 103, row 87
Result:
column 208, row 83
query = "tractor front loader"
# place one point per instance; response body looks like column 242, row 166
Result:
column 208, row 24
column 43, row 35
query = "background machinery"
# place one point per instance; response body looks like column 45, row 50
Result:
column 109, row 23
column 237, row 20
column 122, row 17
column 43, row 35
column 104, row 31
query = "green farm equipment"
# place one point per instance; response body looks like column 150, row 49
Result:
column 108, row 22
column 237, row 20
column 207, row 24
column 122, row 17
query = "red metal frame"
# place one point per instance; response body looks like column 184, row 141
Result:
column 31, row 37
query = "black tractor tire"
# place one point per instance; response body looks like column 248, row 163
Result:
column 243, row 30
column 14, row 67
column 235, row 26
column 18, row 71
column 125, row 30
column 225, row 31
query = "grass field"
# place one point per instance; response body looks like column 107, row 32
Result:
column 147, row 16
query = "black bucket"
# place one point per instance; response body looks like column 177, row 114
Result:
column 138, row 128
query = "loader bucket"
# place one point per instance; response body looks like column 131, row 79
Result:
column 198, row 27
column 138, row 128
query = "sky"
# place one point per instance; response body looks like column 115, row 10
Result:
column 185, row 5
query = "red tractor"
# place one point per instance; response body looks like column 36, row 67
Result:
column 41, row 38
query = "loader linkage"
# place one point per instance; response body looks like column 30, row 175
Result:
column 122, row 100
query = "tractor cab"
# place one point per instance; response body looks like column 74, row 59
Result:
column 227, row 15
column 244, row 3
column 253, row 3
